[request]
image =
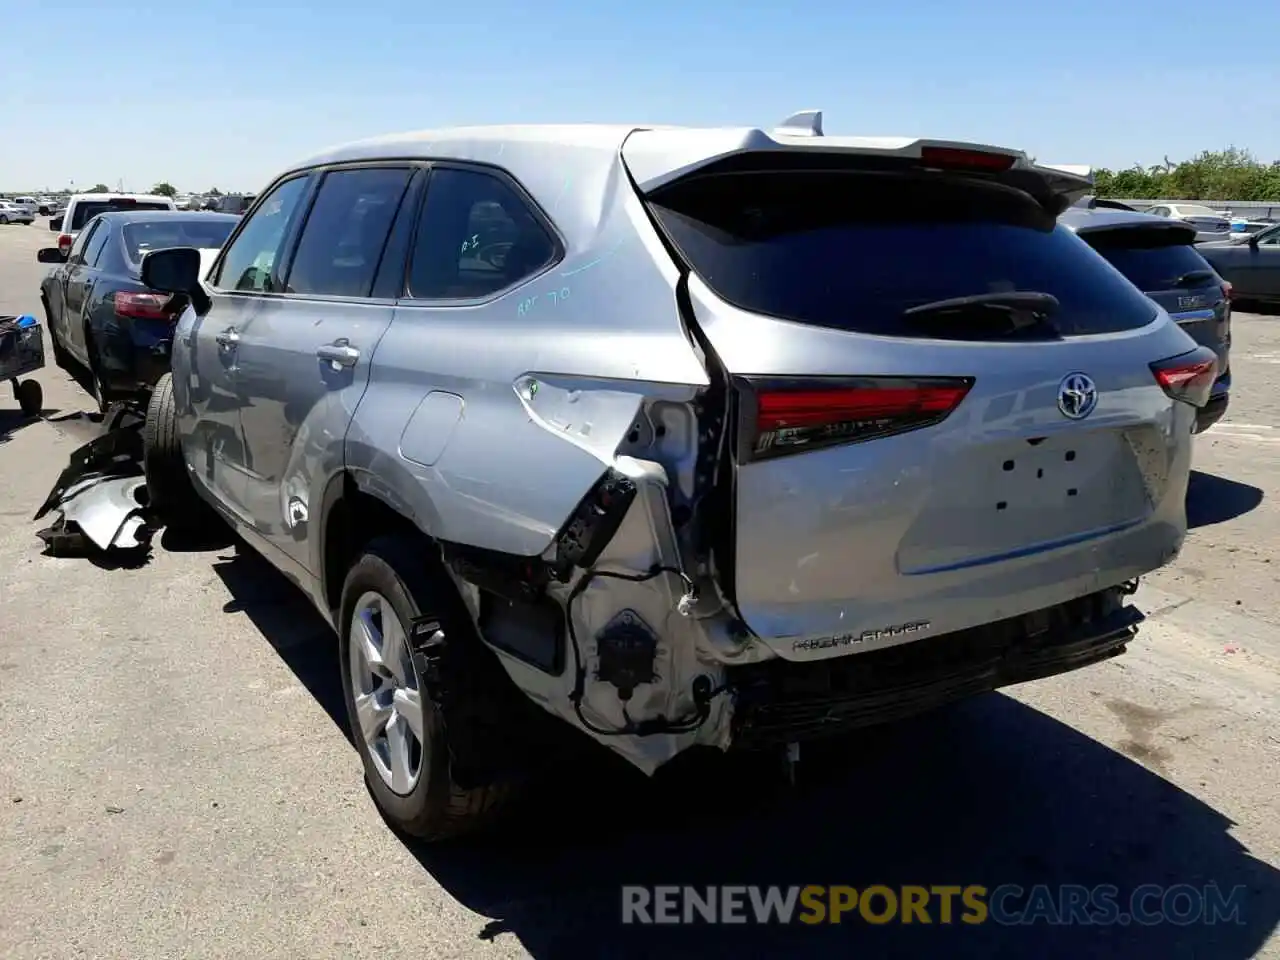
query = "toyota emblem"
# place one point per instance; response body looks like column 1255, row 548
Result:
column 1077, row 396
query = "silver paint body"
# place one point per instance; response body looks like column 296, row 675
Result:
column 437, row 419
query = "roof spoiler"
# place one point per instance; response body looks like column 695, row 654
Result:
column 657, row 156
column 1084, row 171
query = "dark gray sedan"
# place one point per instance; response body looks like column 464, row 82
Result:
column 1251, row 264
column 100, row 315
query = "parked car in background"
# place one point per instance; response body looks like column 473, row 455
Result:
column 1247, row 226
column 682, row 457
column 28, row 204
column 83, row 207
column 236, row 203
column 1251, row 263
column 98, row 312
column 1210, row 224
column 1159, row 256
column 10, row 212
column 48, row 206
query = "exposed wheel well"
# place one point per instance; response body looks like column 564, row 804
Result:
column 352, row 521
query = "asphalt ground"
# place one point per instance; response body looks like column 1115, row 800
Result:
column 176, row 778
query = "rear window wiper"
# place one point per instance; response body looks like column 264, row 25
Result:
column 1194, row 279
column 988, row 315
column 1026, row 301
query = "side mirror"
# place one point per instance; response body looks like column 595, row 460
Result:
column 1253, row 240
column 51, row 255
column 175, row 270
column 55, row 224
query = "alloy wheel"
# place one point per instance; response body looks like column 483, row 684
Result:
column 386, row 692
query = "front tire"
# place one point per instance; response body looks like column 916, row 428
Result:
column 396, row 725
column 170, row 492
column 61, row 359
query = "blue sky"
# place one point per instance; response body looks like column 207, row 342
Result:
column 210, row 94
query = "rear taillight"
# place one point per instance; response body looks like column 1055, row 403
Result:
column 1188, row 377
column 146, row 306
column 64, row 243
column 953, row 158
column 797, row 415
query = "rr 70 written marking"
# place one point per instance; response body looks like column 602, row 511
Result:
column 555, row 296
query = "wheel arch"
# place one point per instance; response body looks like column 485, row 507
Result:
column 356, row 508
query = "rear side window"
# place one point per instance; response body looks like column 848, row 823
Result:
column 854, row 250
column 477, row 236
column 1152, row 260
column 93, row 249
column 86, row 210
column 345, row 232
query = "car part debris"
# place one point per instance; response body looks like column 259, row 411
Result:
column 101, row 493
column 116, row 452
column 103, row 510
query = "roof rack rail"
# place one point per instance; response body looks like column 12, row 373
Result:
column 806, row 123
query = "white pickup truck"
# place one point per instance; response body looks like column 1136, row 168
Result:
column 83, row 207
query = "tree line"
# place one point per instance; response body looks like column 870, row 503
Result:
column 1230, row 174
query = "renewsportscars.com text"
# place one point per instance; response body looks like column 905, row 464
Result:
column 1008, row 905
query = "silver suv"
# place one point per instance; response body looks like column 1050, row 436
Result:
column 721, row 437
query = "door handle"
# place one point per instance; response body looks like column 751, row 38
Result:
column 228, row 338
column 340, row 353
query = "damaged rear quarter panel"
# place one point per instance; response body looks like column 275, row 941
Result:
column 599, row 333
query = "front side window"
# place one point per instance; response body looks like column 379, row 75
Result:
column 477, row 236
column 343, row 238
column 250, row 261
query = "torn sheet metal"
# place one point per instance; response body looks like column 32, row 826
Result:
column 102, row 509
column 116, row 452
column 101, row 494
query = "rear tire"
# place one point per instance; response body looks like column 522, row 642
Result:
column 429, row 804
column 170, row 491
column 97, row 386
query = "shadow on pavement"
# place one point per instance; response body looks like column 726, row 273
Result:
column 987, row 792
column 1212, row 499
column 11, row 421
column 289, row 623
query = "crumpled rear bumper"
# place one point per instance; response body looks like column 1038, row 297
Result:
column 781, row 701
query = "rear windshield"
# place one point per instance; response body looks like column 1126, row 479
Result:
column 1152, row 259
column 86, row 210
column 853, row 250
column 141, row 238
